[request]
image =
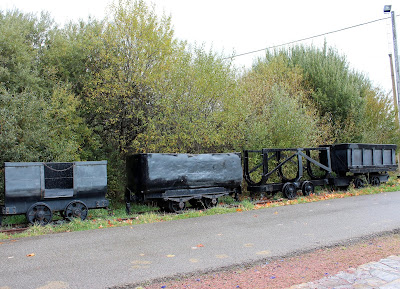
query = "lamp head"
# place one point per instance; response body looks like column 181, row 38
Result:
column 387, row 8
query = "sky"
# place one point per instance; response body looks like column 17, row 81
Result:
column 240, row 26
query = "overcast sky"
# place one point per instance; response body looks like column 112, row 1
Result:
column 233, row 26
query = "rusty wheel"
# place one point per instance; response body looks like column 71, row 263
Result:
column 75, row 209
column 39, row 213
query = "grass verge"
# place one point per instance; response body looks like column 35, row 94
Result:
column 99, row 219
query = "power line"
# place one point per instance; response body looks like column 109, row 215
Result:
column 307, row 38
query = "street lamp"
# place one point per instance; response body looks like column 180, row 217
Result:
column 388, row 9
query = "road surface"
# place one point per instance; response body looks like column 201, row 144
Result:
column 110, row 257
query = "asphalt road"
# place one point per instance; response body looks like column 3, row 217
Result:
column 105, row 258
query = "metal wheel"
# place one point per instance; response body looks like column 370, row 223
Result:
column 375, row 181
column 76, row 209
column 209, row 203
column 358, row 183
column 307, row 188
column 39, row 213
column 175, row 207
column 289, row 191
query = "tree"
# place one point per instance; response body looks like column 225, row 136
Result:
column 22, row 36
column 342, row 96
column 198, row 108
column 279, row 112
column 137, row 48
column 69, row 52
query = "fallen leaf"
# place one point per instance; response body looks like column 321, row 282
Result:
column 30, row 255
column 200, row 245
column 239, row 210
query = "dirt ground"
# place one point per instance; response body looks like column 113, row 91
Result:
column 285, row 272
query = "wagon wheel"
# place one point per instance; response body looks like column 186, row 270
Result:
column 209, row 203
column 175, row 207
column 289, row 191
column 75, row 209
column 358, row 183
column 39, row 213
column 375, row 181
column 307, row 188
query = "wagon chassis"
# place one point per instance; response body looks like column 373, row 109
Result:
column 282, row 157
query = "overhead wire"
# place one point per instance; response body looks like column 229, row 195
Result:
column 307, row 38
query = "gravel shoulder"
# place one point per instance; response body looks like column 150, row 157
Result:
column 292, row 270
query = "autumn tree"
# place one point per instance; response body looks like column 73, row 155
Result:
column 199, row 109
column 279, row 112
column 136, row 50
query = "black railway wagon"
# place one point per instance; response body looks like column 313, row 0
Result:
column 360, row 163
column 341, row 165
column 39, row 189
column 173, row 179
column 264, row 170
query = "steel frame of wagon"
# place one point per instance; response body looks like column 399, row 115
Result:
column 288, row 187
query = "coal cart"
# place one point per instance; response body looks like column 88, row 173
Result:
column 38, row 189
column 171, row 180
column 360, row 163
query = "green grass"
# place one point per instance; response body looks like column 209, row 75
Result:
column 142, row 214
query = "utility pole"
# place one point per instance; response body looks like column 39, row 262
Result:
column 387, row 9
column 396, row 60
column 394, row 88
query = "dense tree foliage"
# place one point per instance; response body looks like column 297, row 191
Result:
column 343, row 97
column 101, row 89
column 280, row 113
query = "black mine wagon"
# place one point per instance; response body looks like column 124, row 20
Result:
column 171, row 180
column 39, row 189
column 360, row 163
column 339, row 165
